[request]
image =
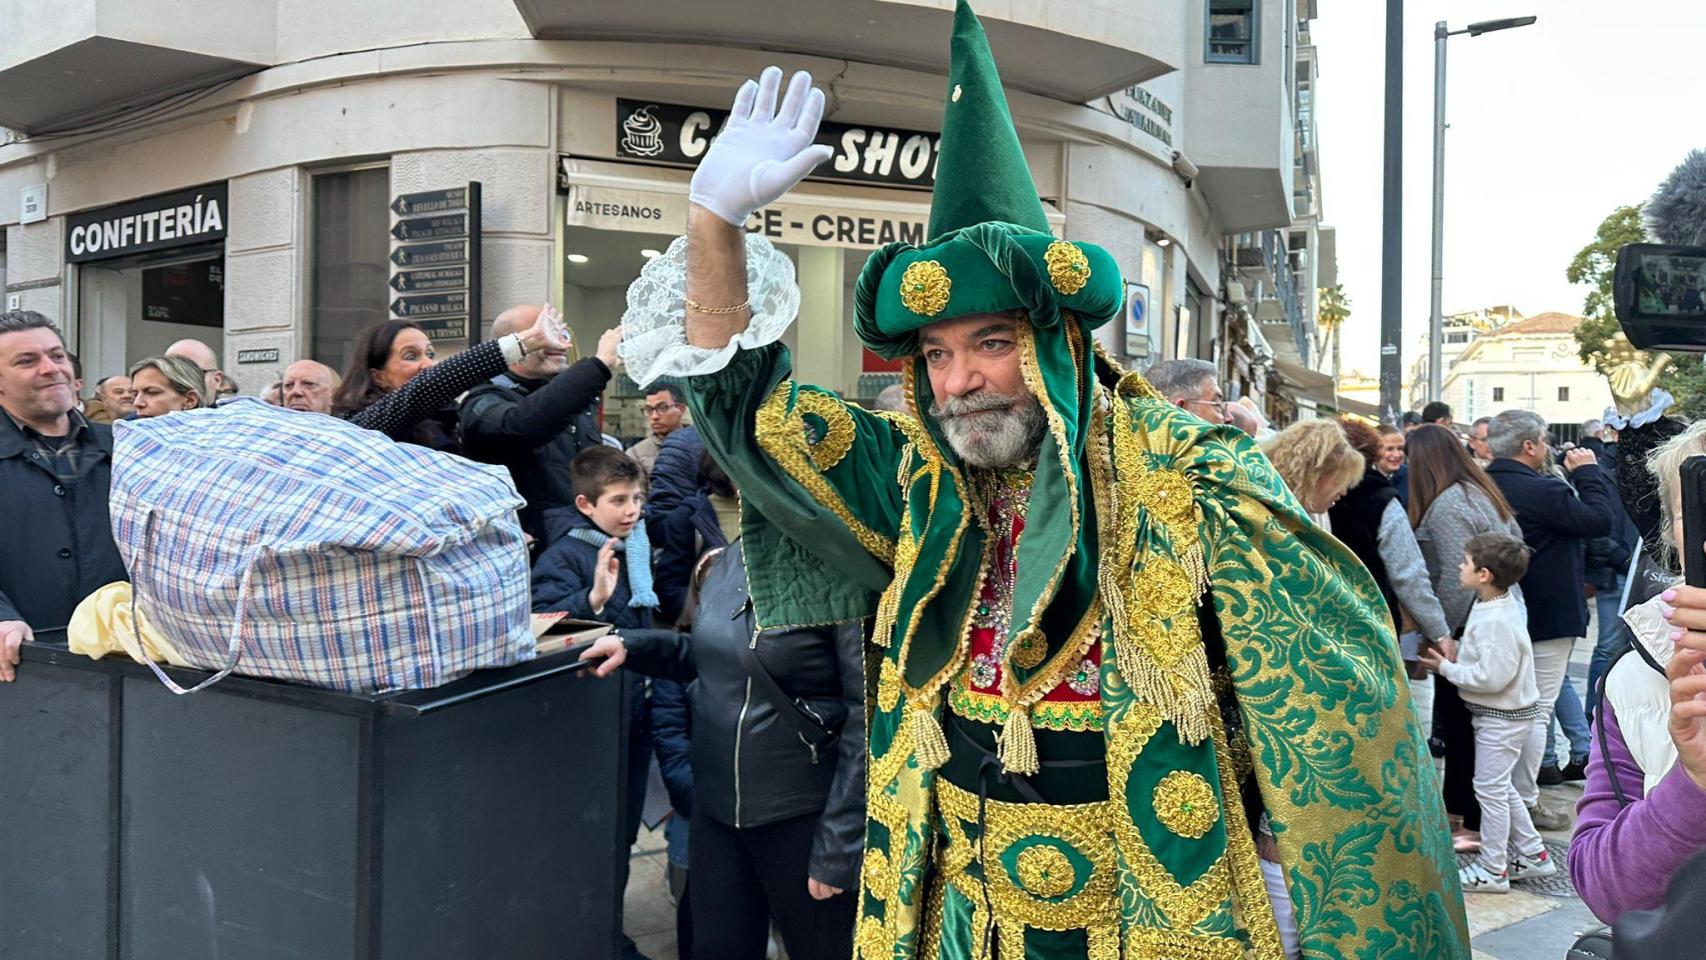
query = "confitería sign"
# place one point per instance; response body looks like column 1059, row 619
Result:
column 160, row 222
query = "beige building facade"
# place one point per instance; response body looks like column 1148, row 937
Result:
column 251, row 172
column 1531, row 364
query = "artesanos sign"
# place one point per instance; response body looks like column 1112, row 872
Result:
column 160, row 222
column 789, row 220
column 672, row 133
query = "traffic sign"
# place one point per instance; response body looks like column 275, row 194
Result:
column 423, row 254
column 441, row 278
column 431, row 305
column 429, row 201
column 447, row 328
column 431, row 228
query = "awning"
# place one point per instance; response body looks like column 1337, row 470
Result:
column 1358, row 407
column 1304, row 382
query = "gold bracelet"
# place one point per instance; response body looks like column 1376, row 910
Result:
column 695, row 305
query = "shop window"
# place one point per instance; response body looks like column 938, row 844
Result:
column 350, row 267
column 1498, row 394
column 1563, row 394
column 1231, row 31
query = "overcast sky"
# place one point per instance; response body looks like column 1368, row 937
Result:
column 1551, row 128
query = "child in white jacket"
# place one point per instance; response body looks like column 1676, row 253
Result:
column 1493, row 668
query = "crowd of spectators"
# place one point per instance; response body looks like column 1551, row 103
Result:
column 1486, row 542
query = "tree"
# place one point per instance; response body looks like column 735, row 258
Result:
column 1332, row 309
column 1594, row 265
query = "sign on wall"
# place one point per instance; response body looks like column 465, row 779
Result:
column 676, row 134
column 161, row 222
column 1137, row 320
column 787, row 221
column 438, row 256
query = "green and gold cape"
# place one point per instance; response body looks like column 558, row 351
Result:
column 851, row 515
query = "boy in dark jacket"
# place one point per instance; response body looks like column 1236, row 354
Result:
column 599, row 567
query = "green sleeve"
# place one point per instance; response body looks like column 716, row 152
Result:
column 820, row 502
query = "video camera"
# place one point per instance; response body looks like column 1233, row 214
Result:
column 1659, row 291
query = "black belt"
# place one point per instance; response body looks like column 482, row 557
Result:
column 990, row 767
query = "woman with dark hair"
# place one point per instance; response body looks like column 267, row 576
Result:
column 396, row 385
column 1451, row 500
column 1371, row 521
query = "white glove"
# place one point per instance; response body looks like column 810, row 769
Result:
column 762, row 151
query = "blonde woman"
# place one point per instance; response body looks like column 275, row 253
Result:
column 1316, row 462
column 166, row 385
column 1643, row 809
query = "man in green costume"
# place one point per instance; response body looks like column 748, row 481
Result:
column 1129, row 702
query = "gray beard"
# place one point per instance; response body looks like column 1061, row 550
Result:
column 985, row 430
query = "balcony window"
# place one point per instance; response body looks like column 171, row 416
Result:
column 1231, row 31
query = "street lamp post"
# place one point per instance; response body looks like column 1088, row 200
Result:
column 1436, row 320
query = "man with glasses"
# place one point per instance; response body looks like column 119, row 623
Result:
column 206, row 361
column 664, row 409
column 1556, row 524
column 1191, row 384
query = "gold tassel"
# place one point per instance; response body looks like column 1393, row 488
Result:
column 929, row 743
column 1018, row 748
column 1196, row 566
column 888, row 609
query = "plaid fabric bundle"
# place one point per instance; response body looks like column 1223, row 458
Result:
column 299, row 547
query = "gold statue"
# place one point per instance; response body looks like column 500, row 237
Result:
column 1633, row 374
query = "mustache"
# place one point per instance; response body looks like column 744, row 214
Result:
column 971, row 403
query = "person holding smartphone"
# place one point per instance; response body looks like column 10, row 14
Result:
column 1642, row 815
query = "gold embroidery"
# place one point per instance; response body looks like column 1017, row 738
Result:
column 1184, row 907
column 1069, row 715
column 837, row 440
column 879, row 875
column 1086, row 828
column 1045, row 872
column 888, row 685
column 1254, row 906
column 1068, row 267
column 1168, row 495
column 924, row 288
column 1180, row 945
column 1028, row 651
column 781, row 434
column 1185, row 804
column 1164, row 589
column 874, row 940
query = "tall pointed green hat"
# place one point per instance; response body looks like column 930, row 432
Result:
column 990, row 249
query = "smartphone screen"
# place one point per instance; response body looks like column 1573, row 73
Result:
column 1693, row 548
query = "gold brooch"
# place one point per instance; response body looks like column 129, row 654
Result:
column 1045, row 871
column 1028, row 650
column 924, row 288
column 1168, row 495
column 1185, row 804
column 1068, row 267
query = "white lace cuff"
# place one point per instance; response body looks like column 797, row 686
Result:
column 654, row 327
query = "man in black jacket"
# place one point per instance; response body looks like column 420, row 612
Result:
column 1556, row 524
column 536, row 417
column 55, row 467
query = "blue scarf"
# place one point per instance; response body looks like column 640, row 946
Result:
column 637, row 549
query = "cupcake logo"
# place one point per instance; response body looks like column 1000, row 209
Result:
column 642, row 133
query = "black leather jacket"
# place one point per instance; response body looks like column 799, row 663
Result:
column 750, row 767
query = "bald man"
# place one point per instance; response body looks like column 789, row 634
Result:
column 536, row 416
column 308, row 386
column 205, row 360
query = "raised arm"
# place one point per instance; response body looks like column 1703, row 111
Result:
column 817, row 476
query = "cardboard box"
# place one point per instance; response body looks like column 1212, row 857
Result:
column 555, row 632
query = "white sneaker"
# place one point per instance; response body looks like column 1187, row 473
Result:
column 1478, row 879
column 1533, row 868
